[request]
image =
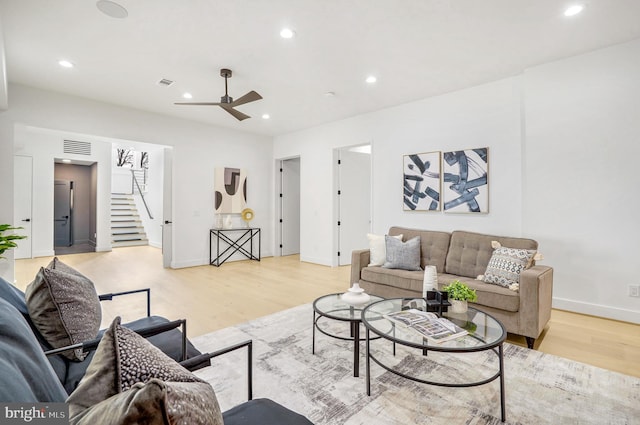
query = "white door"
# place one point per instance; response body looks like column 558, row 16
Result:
column 290, row 211
column 167, row 212
column 354, row 201
column 22, row 193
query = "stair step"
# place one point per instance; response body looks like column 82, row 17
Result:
column 129, row 237
column 129, row 243
column 125, row 223
column 127, row 231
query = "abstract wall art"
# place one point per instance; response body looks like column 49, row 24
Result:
column 230, row 190
column 421, row 182
column 465, row 185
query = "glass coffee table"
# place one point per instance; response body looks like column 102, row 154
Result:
column 332, row 307
column 484, row 333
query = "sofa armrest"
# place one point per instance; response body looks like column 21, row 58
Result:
column 536, row 290
column 359, row 260
column 109, row 297
column 144, row 332
column 195, row 362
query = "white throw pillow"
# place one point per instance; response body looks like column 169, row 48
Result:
column 378, row 249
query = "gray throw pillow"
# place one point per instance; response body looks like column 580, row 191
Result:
column 402, row 255
column 64, row 306
column 130, row 381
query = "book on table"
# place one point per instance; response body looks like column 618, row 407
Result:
column 435, row 329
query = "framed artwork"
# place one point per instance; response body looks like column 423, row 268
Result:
column 465, row 185
column 421, row 182
column 230, row 190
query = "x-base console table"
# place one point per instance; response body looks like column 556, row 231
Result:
column 234, row 240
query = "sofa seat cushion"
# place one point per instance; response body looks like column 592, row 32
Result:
column 264, row 412
column 405, row 279
column 469, row 253
column 489, row 295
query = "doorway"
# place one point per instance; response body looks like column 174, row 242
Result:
column 289, row 206
column 353, row 199
column 74, row 208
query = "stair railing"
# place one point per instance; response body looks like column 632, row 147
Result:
column 135, row 182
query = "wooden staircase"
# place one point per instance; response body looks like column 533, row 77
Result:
column 126, row 226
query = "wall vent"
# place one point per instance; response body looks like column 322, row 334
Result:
column 165, row 82
column 77, row 148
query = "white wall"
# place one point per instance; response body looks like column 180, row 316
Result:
column 44, row 146
column 483, row 116
column 563, row 146
column 198, row 149
column 581, row 177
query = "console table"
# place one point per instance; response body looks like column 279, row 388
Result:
column 234, row 240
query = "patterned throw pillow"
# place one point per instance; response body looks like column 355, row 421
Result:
column 64, row 306
column 129, row 381
column 402, row 255
column 506, row 264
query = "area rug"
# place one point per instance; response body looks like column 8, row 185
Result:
column 540, row 388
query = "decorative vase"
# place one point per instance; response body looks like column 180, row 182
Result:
column 219, row 221
column 356, row 296
column 228, row 224
column 458, row 306
column 430, row 280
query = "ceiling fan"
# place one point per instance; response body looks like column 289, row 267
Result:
column 226, row 102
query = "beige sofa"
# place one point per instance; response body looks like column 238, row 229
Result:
column 464, row 256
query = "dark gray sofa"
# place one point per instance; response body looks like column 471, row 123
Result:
column 464, row 256
column 27, row 375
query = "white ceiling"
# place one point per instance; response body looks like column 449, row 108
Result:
column 416, row 48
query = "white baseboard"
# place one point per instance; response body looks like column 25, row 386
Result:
column 155, row 244
column 598, row 310
column 314, row 260
column 44, row 253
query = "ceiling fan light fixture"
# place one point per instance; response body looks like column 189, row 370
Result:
column 287, row 33
column 573, row 10
column 112, row 9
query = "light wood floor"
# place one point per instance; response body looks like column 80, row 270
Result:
column 212, row 298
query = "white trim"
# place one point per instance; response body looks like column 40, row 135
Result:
column 597, row 310
column 317, row 260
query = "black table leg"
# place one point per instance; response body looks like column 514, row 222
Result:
column 313, row 339
column 368, row 366
column 502, row 396
column 355, row 326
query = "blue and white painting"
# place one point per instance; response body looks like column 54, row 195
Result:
column 421, row 175
column 465, row 181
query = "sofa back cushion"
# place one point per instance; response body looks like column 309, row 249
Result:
column 26, row 374
column 469, row 253
column 433, row 245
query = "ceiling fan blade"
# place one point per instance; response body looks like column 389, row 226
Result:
column 237, row 114
column 198, row 103
column 252, row 96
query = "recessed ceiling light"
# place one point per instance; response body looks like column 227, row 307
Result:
column 287, row 33
column 187, row 95
column 112, row 9
column 65, row 64
column 266, row 116
column 330, row 94
column 573, row 10
column 66, row 161
column 371, row 79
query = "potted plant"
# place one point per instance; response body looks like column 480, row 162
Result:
column 7, row 241
column 459, row 293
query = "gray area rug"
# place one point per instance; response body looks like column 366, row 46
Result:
column 540, row 388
